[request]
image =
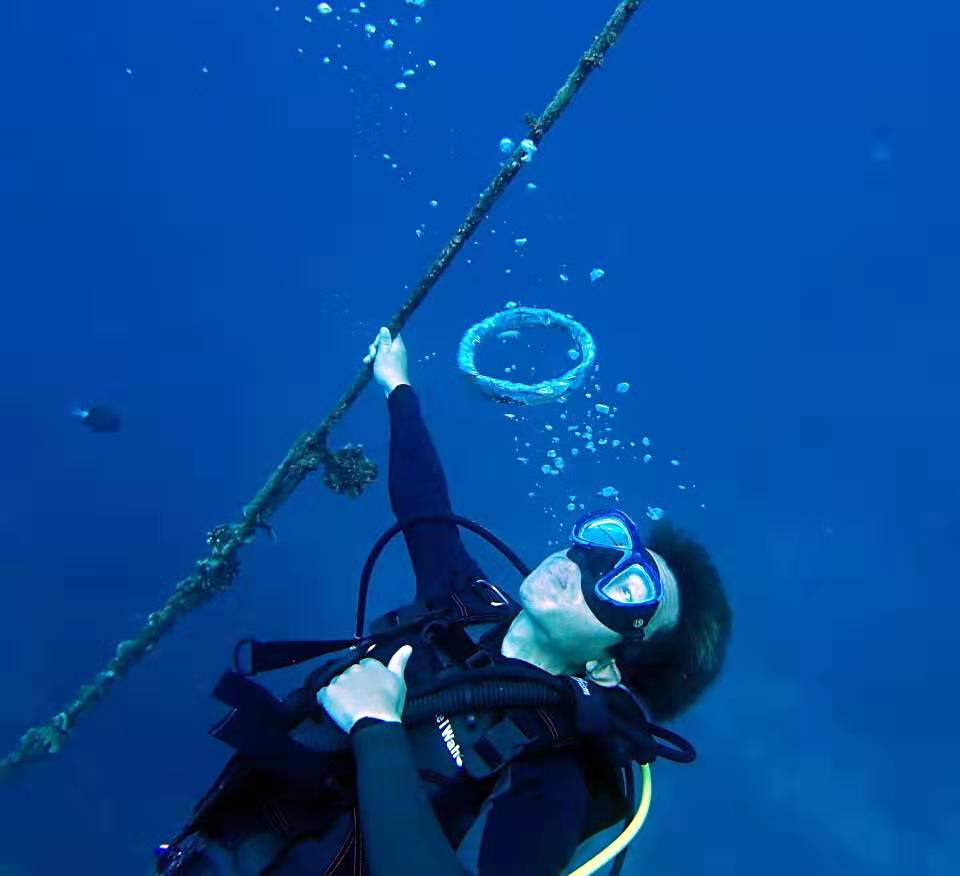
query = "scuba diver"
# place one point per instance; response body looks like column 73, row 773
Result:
column 486, row 736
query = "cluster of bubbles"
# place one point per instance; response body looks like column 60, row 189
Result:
column 561, row 444
column 341, row 36
column 357, row 17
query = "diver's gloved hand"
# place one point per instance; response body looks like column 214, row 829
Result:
column 367, row 689
column 389, row 357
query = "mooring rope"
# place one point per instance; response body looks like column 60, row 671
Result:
column 346, row 471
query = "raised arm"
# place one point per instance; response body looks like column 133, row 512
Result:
column 417, row 483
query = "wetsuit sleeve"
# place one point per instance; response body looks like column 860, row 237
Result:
column 530, row 826
column 418, row 486
column 547, row 798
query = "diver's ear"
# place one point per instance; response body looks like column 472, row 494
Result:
column 606, row 673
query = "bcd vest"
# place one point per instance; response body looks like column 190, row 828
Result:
column 294, row 748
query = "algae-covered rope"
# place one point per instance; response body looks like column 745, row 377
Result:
column 346, row 471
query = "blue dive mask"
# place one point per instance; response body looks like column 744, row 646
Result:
column 619, row 578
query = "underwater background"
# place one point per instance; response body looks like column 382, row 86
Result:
column 204, row 224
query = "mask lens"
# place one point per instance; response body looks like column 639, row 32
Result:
column 607, row 532
column 632, row 586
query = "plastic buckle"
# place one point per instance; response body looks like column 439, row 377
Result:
column 432, row 630
column 499, row 745
column 436, row 635
column 479, row 659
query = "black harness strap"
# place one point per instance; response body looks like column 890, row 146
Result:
column 257, row 726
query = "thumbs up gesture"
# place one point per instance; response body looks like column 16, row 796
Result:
column 367, row 689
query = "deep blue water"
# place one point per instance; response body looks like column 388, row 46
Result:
column 771, row 190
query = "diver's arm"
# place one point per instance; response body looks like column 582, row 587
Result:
column 545, row 794
column 418, row 486
column 417, row 483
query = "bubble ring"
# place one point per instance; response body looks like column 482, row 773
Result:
column 509, row 391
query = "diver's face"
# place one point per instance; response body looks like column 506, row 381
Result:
column 552, row 596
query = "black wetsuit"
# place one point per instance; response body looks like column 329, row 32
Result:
column 527, row 821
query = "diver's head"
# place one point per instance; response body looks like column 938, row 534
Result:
column 650, row 614
column 556, row 597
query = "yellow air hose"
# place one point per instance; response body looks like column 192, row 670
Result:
column 632, row 829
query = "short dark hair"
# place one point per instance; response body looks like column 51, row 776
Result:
column 671, row 671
